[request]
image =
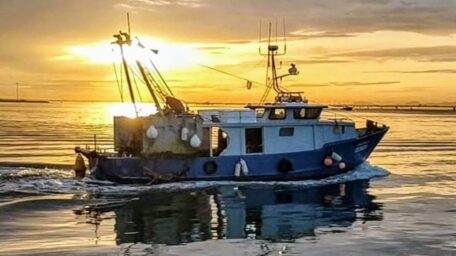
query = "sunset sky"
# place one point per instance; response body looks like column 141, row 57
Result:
column 353, row 51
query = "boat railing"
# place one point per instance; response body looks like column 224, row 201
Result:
column 364, row 126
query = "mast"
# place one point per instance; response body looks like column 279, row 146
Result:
column 151, row 90
column 124, row 39
column 157, row 87
column 274, row 81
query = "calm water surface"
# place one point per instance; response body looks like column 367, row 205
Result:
column 411, row 211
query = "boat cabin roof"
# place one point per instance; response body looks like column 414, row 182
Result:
column 272, row 114
column 285, row 105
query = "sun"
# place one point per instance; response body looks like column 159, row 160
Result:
column 164, row 54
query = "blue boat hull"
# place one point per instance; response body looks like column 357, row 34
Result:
column 298, row 165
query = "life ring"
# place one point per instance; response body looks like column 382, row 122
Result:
column 210, row 167
column 285, row 166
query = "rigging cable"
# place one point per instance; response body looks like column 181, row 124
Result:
column 232, row 75
column 119, row 83
column 119, row 86
column 136, row 85
column 161, row 78
column 152, row 80
column 255, row 65
column 156, row 86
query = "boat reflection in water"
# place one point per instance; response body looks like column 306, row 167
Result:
column 260, row 212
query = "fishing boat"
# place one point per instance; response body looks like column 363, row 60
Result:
column 282, row 140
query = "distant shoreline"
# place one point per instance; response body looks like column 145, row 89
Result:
column 23, row 101
column 35, row 165
column 354, row 107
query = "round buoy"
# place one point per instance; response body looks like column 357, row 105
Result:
column 237, row 169
column 195, row 141
column 328, row 162
column 210, row 167
column 284, row 166
column 244, row 168
column 152, row 132
column 342, row 166
column 184, row 134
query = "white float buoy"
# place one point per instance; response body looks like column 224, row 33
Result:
column 152, row 132
column 237, row 170
column 336, row 157
column 245, row 169
column 195, row 141
column 184, row 134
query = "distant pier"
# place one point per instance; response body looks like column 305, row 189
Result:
column 358, row 107
column 423, row 107
column 22, row 101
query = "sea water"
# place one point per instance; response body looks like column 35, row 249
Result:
column 402, row 202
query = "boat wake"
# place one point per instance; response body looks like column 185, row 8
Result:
column 52, row 181
column 363, row 172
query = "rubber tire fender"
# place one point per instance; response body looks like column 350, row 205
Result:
column 285, row 166
column 210, row 167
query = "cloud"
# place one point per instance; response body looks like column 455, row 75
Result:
column 430, row 71
column 300, row 34
column 60, row 83
column 412, row 89
column 239, row 20
column 364, row 83
column 443, row 53
column 212, row 48
column 145, row 4
column 318, row 61
column 345, row 84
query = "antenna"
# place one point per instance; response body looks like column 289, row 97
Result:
column 274, row 82
column 128, row 23
column 269, row 38
column 259, row 39
column 284, row 37
column 276, row 28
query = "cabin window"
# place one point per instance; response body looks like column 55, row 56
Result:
column 260, row 112
column 306, row 113
column 253, row 140
column 278, row 114
column 286, row 132
column 299, row 113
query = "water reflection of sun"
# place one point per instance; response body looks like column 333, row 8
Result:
column 128, row 109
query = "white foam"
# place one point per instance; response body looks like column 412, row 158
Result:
column 364, row 172
column 35, row 181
